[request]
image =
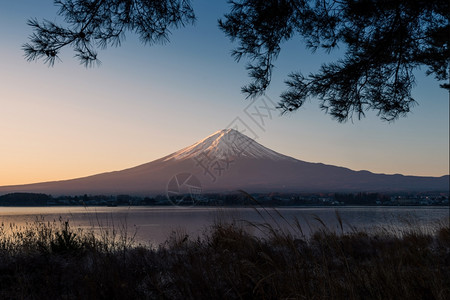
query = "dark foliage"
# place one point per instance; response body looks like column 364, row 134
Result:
column 97, row 24
column 384, row 42
column 47, row 261
column 361, row 198
column 28, row 199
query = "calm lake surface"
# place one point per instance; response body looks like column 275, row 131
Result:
column 153, row 225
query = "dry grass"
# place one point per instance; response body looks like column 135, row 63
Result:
column 51, row 260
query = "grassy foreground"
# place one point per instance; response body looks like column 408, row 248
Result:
column 51, row 260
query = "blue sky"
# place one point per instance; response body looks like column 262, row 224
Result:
column 145, row 102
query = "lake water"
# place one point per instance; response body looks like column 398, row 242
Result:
column 153, row 225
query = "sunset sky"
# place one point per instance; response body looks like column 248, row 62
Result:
column 145, row 102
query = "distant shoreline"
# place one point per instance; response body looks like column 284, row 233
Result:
column 232, row 200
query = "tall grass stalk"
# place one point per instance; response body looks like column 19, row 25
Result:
column 45, row 260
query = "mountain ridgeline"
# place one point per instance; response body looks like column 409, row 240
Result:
column 227, row 161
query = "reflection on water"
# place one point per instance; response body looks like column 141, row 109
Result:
column 155, row 224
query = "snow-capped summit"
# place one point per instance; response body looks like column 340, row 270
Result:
column 227, row 143
column 227, row 161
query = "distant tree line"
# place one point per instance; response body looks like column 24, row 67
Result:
column 229, row 199
column 24, row 199
column 362, row 198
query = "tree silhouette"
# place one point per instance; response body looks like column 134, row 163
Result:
column 96, row 24
column 384, row 42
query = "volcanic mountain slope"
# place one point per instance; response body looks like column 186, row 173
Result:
column 227, row 161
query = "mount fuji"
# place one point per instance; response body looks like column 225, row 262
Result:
column 227, row 161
